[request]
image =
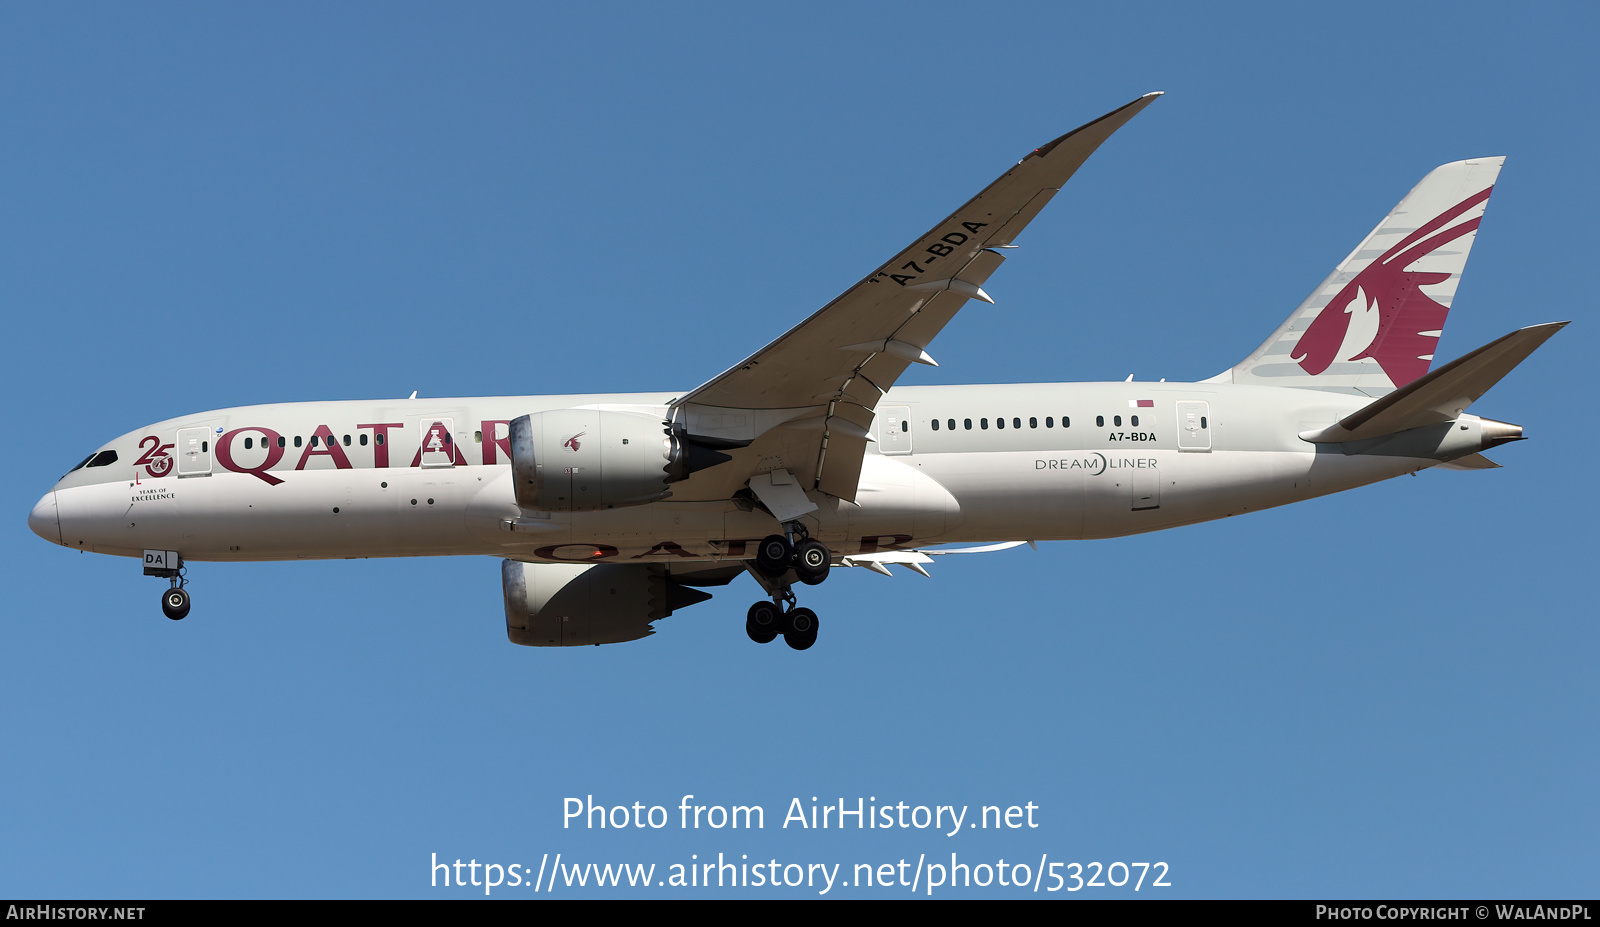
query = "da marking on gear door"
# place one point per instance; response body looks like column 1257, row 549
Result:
column 1194, row 425
column 894, row 430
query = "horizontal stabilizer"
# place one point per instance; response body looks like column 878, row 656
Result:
column 1440, row 396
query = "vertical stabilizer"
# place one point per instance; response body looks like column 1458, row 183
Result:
column 1372, row 325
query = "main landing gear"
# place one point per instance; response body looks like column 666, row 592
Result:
column 766, row 620
column 779, row 558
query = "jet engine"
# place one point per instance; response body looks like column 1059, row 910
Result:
column 581, row 460
column 569, row 604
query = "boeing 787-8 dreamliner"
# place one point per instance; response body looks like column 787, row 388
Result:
column 611, row 511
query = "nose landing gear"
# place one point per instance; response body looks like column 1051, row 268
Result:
column 779, row 560
column 168, row 565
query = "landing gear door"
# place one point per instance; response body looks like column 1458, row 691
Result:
column 194, row 452
column 438, row 448
column 1194, row 425
column 894, row 429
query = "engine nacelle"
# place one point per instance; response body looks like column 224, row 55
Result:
column 581, row 460
column 571, row 604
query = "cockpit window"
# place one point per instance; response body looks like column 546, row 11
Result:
column 81, row 464
column 103, row 458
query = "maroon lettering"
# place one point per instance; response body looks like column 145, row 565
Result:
column 665, row 547
column 492, row 440
column 380, row 452
column 876, row 542
column 329, row 447
column 269, row 441
column 575, row 553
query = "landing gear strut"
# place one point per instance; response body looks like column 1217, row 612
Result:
column 779, row 560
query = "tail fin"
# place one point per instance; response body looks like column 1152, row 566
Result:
column 1371, row 327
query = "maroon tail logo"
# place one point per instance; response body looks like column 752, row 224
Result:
column 571, row 443
column 1385, row 301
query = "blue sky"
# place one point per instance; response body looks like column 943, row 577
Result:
column 1389, row 692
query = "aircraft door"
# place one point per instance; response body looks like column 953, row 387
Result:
column 438, row 443
column 194, row 451
column 1194, row 425
column 894, row 429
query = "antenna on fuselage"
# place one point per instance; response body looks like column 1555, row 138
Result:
column 413, row 395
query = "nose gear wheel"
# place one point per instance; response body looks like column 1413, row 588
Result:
column 175, row 603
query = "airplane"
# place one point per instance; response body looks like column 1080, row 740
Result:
column 612, row 511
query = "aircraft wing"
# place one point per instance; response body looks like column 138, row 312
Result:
column 804, row 403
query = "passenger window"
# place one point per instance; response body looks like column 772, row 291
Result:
column 1016, row 422
column 281, row 441
column 969, row 423
column 952, row 424
column 1116, row 420
column 247, row 444
column 1202, row 421
column 296, row 440
column 1049, row 421
column 380, row 438
column 346, row 440
column 1099, row 421
column 1000, row 423
column 1135, row 421
column 1066, row 422
column 905, row 428
column 935, row 424
column 363, row 440
column 313, row 441
column 205, row 447
column 983, row 423
column 1033, row 422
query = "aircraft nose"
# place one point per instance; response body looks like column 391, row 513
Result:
column 43, row 519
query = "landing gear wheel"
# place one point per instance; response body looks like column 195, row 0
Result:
column 762, row 622
column 773, row 556
column 811, row 562
column 175, row 603
column 800, row 628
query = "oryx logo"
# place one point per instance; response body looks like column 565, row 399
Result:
column 155, row 461
column 571, row 443
column 1383, row 313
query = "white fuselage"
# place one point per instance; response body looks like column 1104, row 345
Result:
column 1024, row 461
